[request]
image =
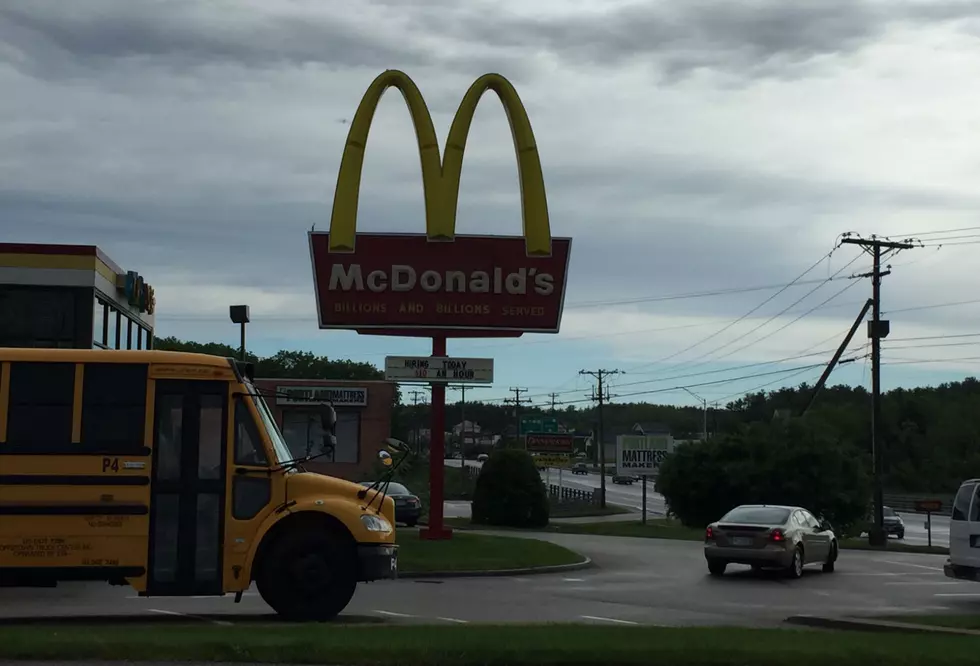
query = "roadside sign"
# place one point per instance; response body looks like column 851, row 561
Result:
column 538, row 424
column 439, row 369
column 546, row 460
column 929, row 506
column 540, row 442
column 642, row 454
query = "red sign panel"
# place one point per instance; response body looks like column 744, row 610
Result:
column 406, row 283
column 929, row 506
column 550, row 443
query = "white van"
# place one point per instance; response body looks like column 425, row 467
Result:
column 964, row 533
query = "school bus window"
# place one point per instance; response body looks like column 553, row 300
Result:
column 40, row 405
column 167, row 508
column 248, row 445
column 114, row 405
column 271, row 427
column 169, row 431
column 208, row 539
column 209, row 437
column 129, row 334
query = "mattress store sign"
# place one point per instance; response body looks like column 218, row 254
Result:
column 299, row 396
column 642, row 454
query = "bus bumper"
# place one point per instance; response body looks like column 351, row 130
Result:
column 377, row 561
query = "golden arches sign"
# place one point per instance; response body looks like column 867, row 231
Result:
column 441, row 176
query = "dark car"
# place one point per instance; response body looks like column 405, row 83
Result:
column 580, row 468
column 626, row 480
column 408, row 507
column 893, row 522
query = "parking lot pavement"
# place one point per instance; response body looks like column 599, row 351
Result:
column 641, row 581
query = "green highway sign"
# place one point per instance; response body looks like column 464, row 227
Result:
column 538, row 424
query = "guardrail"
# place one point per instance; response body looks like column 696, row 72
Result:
column 906, row 503
column 563, row 495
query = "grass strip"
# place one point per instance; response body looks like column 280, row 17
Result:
column 516, row 645
column 947, row 620
column 663, row 528
column 478, row 552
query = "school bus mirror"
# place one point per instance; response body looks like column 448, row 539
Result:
column 385, row 458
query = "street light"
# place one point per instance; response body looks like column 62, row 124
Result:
column 704, row 404
column 239, row 315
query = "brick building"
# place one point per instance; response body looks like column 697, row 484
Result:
column 363, row 419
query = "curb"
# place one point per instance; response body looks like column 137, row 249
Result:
column 526, row 571
column 879, row 626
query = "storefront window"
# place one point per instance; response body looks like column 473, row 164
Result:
column 111, row 328
column 98, row 324
column 301, row 429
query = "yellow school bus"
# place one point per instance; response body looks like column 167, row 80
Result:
column 166, row 471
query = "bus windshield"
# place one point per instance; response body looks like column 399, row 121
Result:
column 278, row 443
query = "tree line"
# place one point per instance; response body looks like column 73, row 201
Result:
column 930, row 436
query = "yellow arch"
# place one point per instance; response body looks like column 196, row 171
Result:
column 441, row 178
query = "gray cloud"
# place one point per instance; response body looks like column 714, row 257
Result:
column 756, row 38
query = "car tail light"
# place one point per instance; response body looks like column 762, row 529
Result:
column 777, row 535
column 709, row 534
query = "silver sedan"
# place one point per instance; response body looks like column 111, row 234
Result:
column 770, row 536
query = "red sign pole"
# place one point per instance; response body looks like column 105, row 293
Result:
column 437, row 453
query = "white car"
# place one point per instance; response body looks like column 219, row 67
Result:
column 964, row 533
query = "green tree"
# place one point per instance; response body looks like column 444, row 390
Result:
column 795, row 462
column 509, row 492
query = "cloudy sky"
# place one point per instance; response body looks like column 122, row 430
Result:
column 702, row 154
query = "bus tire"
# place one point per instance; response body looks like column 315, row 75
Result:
column 309, row 575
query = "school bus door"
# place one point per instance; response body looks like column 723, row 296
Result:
column 187, row 492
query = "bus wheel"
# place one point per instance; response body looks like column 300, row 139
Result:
column 309, row 575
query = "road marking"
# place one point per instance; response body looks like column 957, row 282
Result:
column 923, row 582
column 392, row 613
column 957, row 594
column 453, row 619
column 574, row 580
column 607, row 619
column 221, row 623
column 909, row 564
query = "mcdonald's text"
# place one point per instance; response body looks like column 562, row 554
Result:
column 406, row 282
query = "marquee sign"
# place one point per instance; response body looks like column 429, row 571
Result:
column 439, row 283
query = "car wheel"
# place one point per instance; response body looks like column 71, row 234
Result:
column 796, row 566
column 901, row 535
column 717, row 567
column 828, row 566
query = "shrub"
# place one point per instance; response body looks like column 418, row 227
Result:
column 509, row 492
column 793, row 462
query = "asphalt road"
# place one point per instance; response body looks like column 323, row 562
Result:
column 634, row 581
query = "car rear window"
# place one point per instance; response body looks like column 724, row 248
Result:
column 756, row 515
column 888, row 511
column 961, row 505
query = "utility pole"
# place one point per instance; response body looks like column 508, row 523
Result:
column 877, row 329
column 704, row 405
column 554, row 401
column 415, row 393
column 462, row 415
column 600, row 397
column 517, row 401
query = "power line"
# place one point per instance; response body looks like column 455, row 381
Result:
column 933, row 306
column 744, row 316
column 778, row 330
